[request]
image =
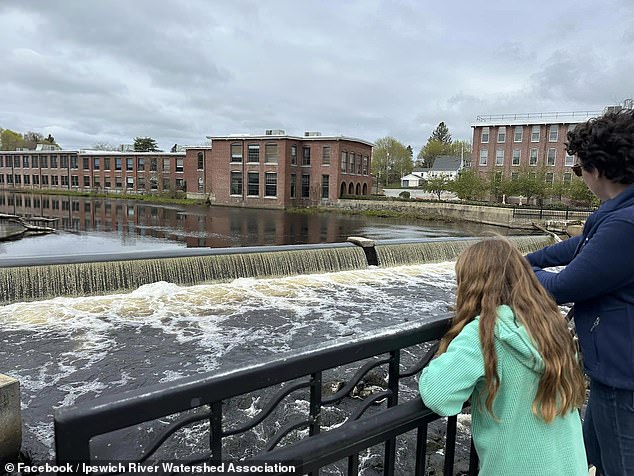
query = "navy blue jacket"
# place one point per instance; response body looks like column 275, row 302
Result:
column 599, row 280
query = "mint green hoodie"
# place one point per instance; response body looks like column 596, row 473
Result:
column 518, row 443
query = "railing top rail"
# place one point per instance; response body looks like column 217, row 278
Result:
column 107, row 414
column 536, row 115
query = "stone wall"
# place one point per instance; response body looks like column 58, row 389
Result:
column 445, row 210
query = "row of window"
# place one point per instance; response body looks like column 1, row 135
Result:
column 551, row 158
column 97, row 162
column 270, row 185
column 350, row 162
column 518, row 133
column 73, row 181
column 549, row 177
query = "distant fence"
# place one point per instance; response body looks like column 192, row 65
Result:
column 555, row 214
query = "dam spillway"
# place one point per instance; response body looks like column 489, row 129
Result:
column 28, row 279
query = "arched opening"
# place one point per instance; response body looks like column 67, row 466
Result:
column 358, row 189
column 365, row 189
column 342, row 191
column 351, row 189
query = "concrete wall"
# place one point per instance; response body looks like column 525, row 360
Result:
column 474, row 213
column 10, row 419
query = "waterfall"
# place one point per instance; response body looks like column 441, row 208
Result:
column 397, row 253
column 31, row 279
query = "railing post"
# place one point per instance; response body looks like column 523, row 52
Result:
column 421, row 450
column 315, row 404
column 392, row 400
column 215, row 431
column 450, row 444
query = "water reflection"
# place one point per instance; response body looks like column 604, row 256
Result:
column 89, row 225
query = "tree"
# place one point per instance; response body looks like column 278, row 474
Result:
column 579, row 192
column 439, row 143
column 462, row 149
column 469, row 185
column 50, row 140
column 11, row 140
column 104, row 146
column 438, row 185
column 441, row 134
column 390, row 160
column 145, row 144
column 32, row 139
column 529, row 184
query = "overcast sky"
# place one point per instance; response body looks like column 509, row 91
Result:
column 90, row 71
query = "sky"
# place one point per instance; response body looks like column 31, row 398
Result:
column 107, row 71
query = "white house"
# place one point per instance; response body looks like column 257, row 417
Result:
column 416, row 178
column 447, row 166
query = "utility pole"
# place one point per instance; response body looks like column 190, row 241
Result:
column 387, row 165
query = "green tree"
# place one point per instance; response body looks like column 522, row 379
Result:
column 462, row 149
column 437, row 185
column 579, row 192
column 32, row 139
column 469, row 185
column 390, row 160
column 104, row 146
column 439, row 143
column 145, row 144
column 529, row 184
column 11, row 140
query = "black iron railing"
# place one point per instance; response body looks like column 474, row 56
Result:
column 93, row 430
column 541, row 213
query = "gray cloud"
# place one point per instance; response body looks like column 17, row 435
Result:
column 111, row 70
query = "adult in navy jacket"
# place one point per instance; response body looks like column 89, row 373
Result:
column 599, row 279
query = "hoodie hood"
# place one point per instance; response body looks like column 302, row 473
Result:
column 514, row 337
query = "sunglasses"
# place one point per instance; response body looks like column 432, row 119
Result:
column 577, row 169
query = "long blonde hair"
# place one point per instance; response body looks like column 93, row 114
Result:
column 491, row 273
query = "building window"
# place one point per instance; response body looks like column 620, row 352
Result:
column 549, row 178
column 106, row 163
column 552, row 156
column 533, row 157
column 484, row 155
column 129, row 163
column 484, row 137
column 55, row 180
column 567, row 177
column 253, row 154
column 325, row 186
column 154, row 165
column 117, row 163
column 179, row 184
column 140, row 183
column 107, row 182
column 140, row 164
column 535, row 134
column 293, row 155
column 86, row 180
column 44, row 161
column 236, row 183
column 95, row 181
column 118, row 183
column 45, row 180
column 569, row 160
column 553, row 133
column 166, row 165
column 63, row 162
column 201, row 162
column 236, row 153
column 180, row 164
column 85, row 163
column 36, row 180
column 27, row 179
column 96, row 163
column 325, row 155
column 344, row 161
column 365, row 165
column 64, row 180
column 305, row 185
column 253, row 184
column 73, row 162
column 270, row 184
column 305, row 155
column 518, row 133
column 502, row 134
column 515, row 176
column 293, row 185
column 201, row 187
column 129, row 183
column 499, row 157
column 271, row 154
column 53, row 161
column 517, row 154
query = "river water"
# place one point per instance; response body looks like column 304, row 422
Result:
column 68, row 350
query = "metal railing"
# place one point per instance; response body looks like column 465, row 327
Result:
column 558, row 214
column 537, row 115
column 399, row 353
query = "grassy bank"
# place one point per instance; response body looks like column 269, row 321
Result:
column 376, row 213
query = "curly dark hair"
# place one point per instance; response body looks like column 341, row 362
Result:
column 606, row 143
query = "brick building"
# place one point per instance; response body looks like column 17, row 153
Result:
column 273, row 170
column 506, row 144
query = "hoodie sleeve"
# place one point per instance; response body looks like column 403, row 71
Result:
column 559, row 254
column 448, row 381
column 604, row 264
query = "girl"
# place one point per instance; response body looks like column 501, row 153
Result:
column 510, row 350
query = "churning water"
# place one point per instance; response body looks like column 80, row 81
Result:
column 71, row 349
